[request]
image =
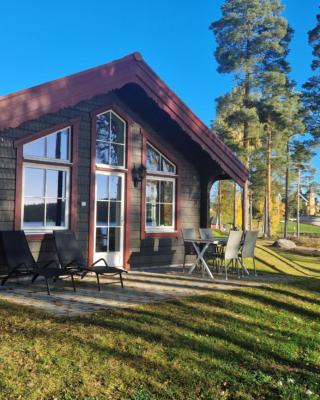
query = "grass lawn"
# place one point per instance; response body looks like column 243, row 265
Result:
column 304, row 228
column 253, row 343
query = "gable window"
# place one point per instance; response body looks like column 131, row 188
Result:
column 46, row 182
column 160, row 193
column 110, row 140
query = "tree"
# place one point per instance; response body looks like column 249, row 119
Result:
column 311, row 89
column 248, row 32
column 301, row 157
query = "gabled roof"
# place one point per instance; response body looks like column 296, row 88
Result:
column 50, row 97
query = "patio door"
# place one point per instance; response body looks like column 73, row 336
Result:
column 109, row 217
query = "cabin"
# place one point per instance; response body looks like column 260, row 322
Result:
column 114, row 155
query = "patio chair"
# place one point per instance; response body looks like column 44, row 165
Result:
column 248, row 248
column 231, row 251
column 71, row 258
column 189, row 250
column 21, row 262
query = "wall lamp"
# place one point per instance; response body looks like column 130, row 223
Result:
column 138, row 174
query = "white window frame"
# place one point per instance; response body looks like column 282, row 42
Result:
column 162, row 228
column 49, row 159
column 124, row 144
column 46, row 166
column 163, row 156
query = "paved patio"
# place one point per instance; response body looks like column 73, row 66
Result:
column 140, row 287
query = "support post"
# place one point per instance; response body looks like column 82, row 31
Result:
column 205, row 187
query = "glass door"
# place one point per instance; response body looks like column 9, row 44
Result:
column 109, row 216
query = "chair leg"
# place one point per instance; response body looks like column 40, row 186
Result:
column 35, row 276
column 184, row 262
column 47, row 284
column 98, row 282
column 83, row 275
column 225, row 269
column 121, row 280
column 254, row 265
column 73, row 285
column 4, row 280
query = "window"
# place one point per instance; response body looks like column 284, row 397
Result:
column 160, row 201
column 110, row 139
column 108, row 213
column 45, row 197
column 45, row 183
column 54, row 146
column 156, row 162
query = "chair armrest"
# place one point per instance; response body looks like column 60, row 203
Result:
column 50, row 263
column 19, row 265
column 73, row 262
column 100, row 259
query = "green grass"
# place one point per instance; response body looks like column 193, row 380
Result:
column 272, row 260
column 304, row 228
column 245, row 344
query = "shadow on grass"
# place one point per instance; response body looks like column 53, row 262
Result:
column 193, row 335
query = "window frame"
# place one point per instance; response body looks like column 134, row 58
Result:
column 50, row 159
column 124, row 144
column 162, row 228
column 160, row 232
column 43, row 166
column 161, row 173
column 71, row 165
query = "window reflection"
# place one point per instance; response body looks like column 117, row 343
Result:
column 108, row 212
column 54, row 146
column 110, row 139
column 159, row 202
column 156, row 162
column 45, row 197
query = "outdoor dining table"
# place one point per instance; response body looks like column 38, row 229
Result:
column 201, row 246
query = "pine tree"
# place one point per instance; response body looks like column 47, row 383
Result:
column 311, row 89
column 248, row 32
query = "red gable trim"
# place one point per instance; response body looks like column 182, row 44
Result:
column 66, row 92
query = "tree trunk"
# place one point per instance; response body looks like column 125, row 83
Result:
column 219, row 205
column 250, row 221
column 286, row 211
column 298, row 204
column 268, row 182
column 245, row 194
column 234, row 205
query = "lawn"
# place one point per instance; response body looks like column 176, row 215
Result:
column 304, row 228
column 252, row 343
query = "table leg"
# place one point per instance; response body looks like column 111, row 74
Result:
column 200, row 258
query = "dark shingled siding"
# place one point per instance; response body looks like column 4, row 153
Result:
column 149, row 252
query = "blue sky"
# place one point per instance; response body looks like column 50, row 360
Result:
column 44, row 40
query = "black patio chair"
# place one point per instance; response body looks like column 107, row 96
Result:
column 21, row 262
column 189, row 250
column 71, row 258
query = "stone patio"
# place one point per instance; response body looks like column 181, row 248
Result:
column 140, row 287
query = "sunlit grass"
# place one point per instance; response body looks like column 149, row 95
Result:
column 254, row 343
column 304, row 228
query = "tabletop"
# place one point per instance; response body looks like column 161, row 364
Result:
column 214, row 240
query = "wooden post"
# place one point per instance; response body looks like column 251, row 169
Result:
column 219, row 206
column 234, row 205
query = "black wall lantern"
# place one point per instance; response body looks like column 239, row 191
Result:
column 138, row 174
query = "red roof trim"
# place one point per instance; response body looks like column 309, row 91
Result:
column 49, row 97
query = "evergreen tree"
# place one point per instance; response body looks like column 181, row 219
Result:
column 248, row 33
column 311, row 89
